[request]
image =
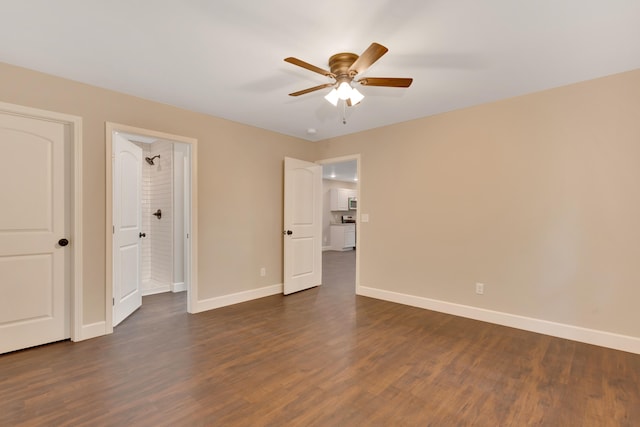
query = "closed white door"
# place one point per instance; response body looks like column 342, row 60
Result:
column 127, row 228
column 302, row 225
column 34, row 289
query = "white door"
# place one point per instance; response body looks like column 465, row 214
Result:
column 33, row 286
column 302, row 225
column 127, row 230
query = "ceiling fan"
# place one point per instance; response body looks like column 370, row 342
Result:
column 344, row 69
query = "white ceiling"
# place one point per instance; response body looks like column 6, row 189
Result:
column 341, row 171
column 225, row 58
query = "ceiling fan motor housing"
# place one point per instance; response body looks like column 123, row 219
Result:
column 339, row 65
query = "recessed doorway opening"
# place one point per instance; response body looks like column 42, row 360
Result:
column 340, row 224
column 151, row 225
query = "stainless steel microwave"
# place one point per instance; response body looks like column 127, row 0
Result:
column 353, row 203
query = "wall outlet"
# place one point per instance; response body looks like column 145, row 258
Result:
column 263, row 271
column 480, row 288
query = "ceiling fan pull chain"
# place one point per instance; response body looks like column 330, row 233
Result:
column 344, row 112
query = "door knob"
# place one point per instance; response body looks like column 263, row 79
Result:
column 287, row 232
column 141, row 235
column 63, row 242
column 158, row 214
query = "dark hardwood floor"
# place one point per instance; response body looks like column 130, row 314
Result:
column 322, row 357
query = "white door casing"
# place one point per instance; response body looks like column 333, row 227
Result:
column 191, row 241
column 34, row 289
column 302, row 225
column 127, row 221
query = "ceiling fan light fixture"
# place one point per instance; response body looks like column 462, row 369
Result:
column 356, row 96
column 344, row 68
column 332, row 97
column 344, row 91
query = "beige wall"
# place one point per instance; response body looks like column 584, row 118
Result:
column 537, row 197
column 240, row 181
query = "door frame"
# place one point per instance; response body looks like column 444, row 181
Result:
column 73, row 153
column 191, row 271
column 358, row 160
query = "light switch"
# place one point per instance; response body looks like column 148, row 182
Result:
column 364, row 217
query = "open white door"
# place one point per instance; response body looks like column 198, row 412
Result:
column 34, row 306
column 127, row 230
column 302, row 225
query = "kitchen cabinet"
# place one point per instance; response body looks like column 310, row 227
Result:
column 343, row 237
column 339, row 198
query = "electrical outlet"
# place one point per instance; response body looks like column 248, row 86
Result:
column 263, row 271
column 479, row 288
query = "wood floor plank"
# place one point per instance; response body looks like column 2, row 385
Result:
column 322, row 357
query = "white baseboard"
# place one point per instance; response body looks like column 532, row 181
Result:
column 91, row 330
column 331, row 248
column 152, row 287
column 222, row 301
column 178, row 287
column 158, row 290
column 560, row 330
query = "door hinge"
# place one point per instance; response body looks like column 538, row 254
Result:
column 113, row 301
column 113, row 229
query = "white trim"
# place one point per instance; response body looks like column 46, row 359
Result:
column 192, row 268
column 178, row 287
column 75, row 126
column 152, row 287
column 153, row 291
column 560, row 330
column 92, row 330
column 77, row 329
column 327, row 248
column 238, row 297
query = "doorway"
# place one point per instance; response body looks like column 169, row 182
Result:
column 159, row 215
column 341, row 224
column 164, row 207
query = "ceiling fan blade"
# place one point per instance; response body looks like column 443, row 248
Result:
column 311, row 89
column 368, row 57
column 300, row 63
column 386, row 81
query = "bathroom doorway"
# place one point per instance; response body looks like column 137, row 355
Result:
column 151, row 219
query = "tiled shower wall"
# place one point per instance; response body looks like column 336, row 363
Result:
column 157, row 193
